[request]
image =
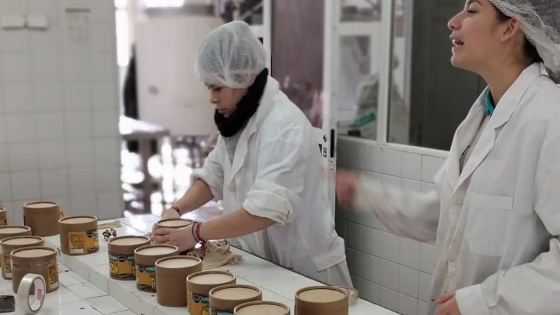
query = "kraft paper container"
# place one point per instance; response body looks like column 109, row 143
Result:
column 171, row 275
column 145, row 258
column 321, row 300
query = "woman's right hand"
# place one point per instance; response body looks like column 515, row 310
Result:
column 346, row 184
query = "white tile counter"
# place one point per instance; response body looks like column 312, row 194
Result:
column 75, row 296
column 90, row 285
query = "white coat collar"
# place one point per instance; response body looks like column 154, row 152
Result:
column 267, row 102
column 468, row 128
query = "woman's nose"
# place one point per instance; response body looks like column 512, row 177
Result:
column 454, row 23
column 213, row 99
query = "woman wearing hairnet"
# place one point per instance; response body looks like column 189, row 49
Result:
column 495, row 217
column 266, row 167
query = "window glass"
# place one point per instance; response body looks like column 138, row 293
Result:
column 298, row 54
column 430, row 97
column 358, row 72
column 360, row 10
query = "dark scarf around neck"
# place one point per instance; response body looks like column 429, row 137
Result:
column 246, row 108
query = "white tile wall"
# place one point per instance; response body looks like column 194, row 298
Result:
column 387, row 269
column 59, row 136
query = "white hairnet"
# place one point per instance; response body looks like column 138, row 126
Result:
column 231, row 56
column 540, row 21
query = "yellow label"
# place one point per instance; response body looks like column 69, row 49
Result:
column 146, row 277
column 122, row 266
column 83, row 242
column 52, row 270
column 198, row 304
column 7, row 265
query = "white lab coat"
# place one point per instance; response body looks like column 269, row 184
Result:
column 496, row 224
column 278, row 173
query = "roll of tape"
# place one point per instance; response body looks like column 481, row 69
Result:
column 28, row 303
column 352, row 296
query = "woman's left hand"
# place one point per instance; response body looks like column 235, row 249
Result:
column 448, row 305
column 182, row 238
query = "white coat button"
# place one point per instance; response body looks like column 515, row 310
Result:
column 460, row 201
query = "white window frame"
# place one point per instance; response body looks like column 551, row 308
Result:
column 267, row 30
column 335, row 29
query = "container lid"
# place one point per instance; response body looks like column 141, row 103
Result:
column 21, row 240
column 13, row 229
column 155, row 250
column 235, row 292
column 33, row 252
column 174, row 223
column 178, row 262
column 2, row 209
column 77, row 220
column 209, row 277
column 128, row 240
column 321, row 295
column 262, row 308
column 39, row 205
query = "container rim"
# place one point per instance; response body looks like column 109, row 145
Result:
column 189, row 221
column 25, row 227
column 343, row 291
column 78, row 216
column 198, row 260
column 128, row 236
column 175, row 248
column 232, row 286
column 36, row 202
column 32, row 248
column 247, row 304
column 200, row 273
column 3, row 241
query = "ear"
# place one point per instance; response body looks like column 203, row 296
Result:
column 511, row 30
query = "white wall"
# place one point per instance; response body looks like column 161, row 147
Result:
column 59, row 136
column 389, row 270
column 166, row 61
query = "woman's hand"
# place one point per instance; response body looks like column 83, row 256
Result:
column 448, row 305
column 182, row 238
column 346, row 184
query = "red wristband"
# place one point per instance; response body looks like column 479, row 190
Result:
column 197, row 237
column 196, row 232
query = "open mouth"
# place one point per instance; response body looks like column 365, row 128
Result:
column 457, row 42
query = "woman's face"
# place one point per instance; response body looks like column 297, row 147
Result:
column 225, row 98
column 478, row 37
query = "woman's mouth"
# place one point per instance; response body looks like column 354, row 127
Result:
column 456, row 43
